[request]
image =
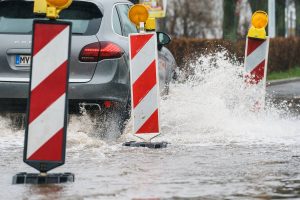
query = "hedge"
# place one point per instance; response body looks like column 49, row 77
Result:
column 284, row 53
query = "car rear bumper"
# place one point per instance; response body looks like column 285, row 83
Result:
column 77, row 91
column 14, row 95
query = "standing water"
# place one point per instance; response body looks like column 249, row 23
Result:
column 219, row 149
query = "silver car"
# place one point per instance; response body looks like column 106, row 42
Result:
column 100, row 78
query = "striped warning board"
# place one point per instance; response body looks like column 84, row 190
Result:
column 256, row 60
column 144, row 85
column 47, row 108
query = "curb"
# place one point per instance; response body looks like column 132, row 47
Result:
column 282, row 81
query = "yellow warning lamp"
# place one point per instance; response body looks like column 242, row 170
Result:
column 52, row 8
column 150, row 24
column 138, row 14
column 259, row 22
column 55, row 6
column 40, row 7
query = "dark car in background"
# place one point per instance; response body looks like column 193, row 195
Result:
column 99, row 66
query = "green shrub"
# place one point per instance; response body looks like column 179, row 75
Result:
column 283, row 52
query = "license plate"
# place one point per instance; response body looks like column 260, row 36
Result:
column 23, row 60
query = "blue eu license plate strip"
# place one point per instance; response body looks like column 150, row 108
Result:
column 23, row 60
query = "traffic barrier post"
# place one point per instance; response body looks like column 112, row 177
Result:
column 145, row 93
column 256, row 56
column 144, row 85
column 47, row 109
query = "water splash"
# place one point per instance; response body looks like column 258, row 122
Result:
column 210, row 104
column 207, row 104
column 213, row 106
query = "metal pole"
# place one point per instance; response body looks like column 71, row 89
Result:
column 272, row 18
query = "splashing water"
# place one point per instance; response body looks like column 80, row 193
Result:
column 209, row 105
column 213, row 105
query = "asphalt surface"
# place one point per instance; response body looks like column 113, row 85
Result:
column 289, row 89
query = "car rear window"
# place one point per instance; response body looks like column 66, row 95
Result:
column 16, row 17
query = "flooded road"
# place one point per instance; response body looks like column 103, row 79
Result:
column 219, row 148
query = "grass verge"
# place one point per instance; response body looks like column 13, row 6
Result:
column 292, row 73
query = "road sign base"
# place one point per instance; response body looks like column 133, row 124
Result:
column 151, row 145
column 30, row 178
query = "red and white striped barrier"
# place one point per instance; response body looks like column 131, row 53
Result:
column 45, row 138
column 256, row 61
column 144, row 85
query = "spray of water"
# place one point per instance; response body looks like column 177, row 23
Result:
column 213, row 105
column 207, row 104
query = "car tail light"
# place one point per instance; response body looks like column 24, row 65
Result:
column 110, row 50
column 90, row 53
column 100, row 51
